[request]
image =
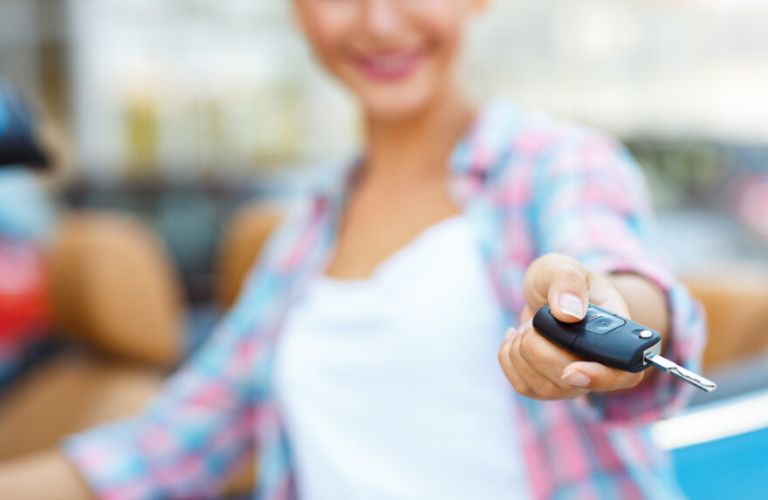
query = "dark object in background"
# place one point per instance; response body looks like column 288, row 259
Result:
column 18, row 144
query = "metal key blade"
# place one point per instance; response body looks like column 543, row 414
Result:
column 678, row 371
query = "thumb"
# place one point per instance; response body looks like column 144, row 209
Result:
column 568, row 294
column 598, row 377
column 560, row 281
column 568, row 291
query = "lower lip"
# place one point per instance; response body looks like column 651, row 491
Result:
column 405, row 67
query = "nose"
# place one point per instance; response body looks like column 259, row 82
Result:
column 382, row 17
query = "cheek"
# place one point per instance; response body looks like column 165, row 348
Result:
column 445, row 32
column 325, row 29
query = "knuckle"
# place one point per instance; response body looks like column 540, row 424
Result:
column 522, row 389
column 506, row 359
column 508, row 372
column 548, row 390
column 517, row 384
column 571, row 275
column 633, row 379
column 503, row 354
column 529, row 351
column 540, row 386
column 531, row 348
column 524, row 340
column 622, row 380
column 574, row 393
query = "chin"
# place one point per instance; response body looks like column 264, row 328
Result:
column 394, row 97
column 395, row 104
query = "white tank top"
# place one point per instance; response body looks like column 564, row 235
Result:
column 390, row 388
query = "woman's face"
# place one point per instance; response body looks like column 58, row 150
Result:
column 394, row 55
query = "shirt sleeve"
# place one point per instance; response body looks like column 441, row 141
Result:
column 205, row 418
column 189, row 438
column 592, row 204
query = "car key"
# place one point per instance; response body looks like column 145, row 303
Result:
column 614, row 341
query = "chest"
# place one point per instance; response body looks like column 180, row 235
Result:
column 427, row 313
column 386, row 370
column 377, row 222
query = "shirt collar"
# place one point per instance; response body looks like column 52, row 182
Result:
column 484, row 148
column 487, row 143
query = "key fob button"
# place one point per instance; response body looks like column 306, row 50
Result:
column 591, row 314
column 604, row 324
column 645, row 334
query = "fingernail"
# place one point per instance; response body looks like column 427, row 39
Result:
column 528, row 324
column 571, row 305
column 510, row 333
column 574, row 377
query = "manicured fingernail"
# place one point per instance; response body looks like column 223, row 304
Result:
column 574, row 377
column 571, row 305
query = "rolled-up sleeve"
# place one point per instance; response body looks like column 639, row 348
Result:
column 592, row 204
column 206, row 419
column 189, row 438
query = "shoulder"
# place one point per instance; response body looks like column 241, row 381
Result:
column 536, row 145
column 306, row 212
column 537, row 136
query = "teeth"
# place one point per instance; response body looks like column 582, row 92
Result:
column 389, row 63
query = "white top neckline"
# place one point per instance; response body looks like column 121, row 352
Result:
column 389, row 387
column 393, row 258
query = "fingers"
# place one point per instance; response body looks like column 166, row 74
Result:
column 505, row 360
column 526, row 316
column 569, row 294
column 533, row 366
column 603, row 293
column 561, row 282
column 540, row 369
column 600, row 378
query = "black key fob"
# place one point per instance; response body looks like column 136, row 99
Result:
column 602, row 336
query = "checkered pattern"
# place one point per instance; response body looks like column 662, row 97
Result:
column 531, row 185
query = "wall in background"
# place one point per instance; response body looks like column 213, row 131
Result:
column 225, row 94
column 185, row 88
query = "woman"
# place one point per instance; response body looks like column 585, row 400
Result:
column 361, row 361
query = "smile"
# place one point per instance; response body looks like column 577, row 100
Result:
column 390, row 66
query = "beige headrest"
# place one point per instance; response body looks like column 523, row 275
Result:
column 114, row 287
column 243, row 240
column 735, row 298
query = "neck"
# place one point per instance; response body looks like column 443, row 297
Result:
column 418, row 145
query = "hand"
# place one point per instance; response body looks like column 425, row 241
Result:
column 540, row 369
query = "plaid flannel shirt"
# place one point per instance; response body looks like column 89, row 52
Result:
column 531, row 185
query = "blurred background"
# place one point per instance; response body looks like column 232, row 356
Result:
column 181, row 127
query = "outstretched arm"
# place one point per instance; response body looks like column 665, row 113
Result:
column 590, row 222
column 539, row 369
column 43, row 475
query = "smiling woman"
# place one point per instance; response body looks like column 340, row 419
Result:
column 395, row 57
column 367, row 355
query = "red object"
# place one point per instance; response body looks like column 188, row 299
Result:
column 753, row 205
column 24, row 303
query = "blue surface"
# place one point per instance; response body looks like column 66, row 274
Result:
column 731, row 468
